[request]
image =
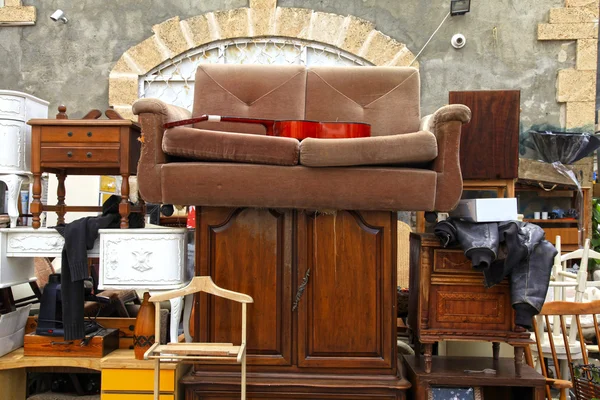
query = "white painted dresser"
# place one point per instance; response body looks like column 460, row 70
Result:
column 150, row 259
column 16, row 109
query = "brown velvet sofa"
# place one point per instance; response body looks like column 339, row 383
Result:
column 408, row 163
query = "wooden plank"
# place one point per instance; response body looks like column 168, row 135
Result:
column 124, row 325
column 538, row 171
column 48, row 346
column 489, row 144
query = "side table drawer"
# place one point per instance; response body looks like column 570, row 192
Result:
column 136, row 380
column 75, row 134
column 80, row 154
column 452, row 262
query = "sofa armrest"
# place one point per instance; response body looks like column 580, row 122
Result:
column 153, row 114
column 446, row 124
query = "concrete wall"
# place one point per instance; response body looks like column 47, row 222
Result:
column 70, row 63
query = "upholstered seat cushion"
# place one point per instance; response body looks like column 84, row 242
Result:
column 404, row 149
column 207, row 145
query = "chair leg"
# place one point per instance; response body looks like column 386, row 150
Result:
column 156, row 379
column 244, row 377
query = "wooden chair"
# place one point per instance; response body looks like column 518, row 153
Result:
column 189, row 352
column 560, row 309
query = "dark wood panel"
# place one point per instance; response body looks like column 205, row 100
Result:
column 248, row 251
column 489, row 144
column 344, row 315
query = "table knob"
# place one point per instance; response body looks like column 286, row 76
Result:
column 89, row 154
column 89, row 134
column 69, row 154
column 69, row 134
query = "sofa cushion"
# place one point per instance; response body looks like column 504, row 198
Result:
column 202, row 144
column 408, row 148
column 251, row 185
column 385, row 97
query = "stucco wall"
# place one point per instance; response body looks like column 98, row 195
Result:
column 70, row 63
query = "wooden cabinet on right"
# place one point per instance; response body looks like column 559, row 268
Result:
column 532, row 198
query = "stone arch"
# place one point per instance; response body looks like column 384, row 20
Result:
column 262, row 19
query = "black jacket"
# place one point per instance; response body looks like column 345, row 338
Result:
column 500, row 249
column 80, row 236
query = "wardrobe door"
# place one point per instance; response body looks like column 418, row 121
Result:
column 346, row 288
column 249, row 251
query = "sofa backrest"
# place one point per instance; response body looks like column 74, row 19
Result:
column 388, row 98
column 259, row 91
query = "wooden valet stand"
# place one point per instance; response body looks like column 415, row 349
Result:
column 87, row 146
column 190, row 352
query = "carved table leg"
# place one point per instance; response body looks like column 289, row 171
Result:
column 36, row 204
column 518, row 359
column 61, row 193
column 427, row 356
column 496, row 349
column 176, row 308
column 13, row 182
column 124, row 208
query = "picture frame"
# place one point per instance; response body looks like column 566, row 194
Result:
column 455, row 393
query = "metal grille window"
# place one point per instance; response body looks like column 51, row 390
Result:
column 173, row 81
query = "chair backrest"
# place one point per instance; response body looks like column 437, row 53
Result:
column 561, row 309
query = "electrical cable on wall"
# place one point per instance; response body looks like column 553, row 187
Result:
column 431, row 37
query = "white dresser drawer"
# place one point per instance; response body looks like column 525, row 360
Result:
column 149, row 258
column 12, row 107
column 43, row 242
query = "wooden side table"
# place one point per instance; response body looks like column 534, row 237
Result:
column 83, row 147
column 449, row 372
column 448, row 301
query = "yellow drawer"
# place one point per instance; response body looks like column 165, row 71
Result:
column 130, row 396
column 136, row 380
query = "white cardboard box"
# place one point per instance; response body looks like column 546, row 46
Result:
column 486, row 210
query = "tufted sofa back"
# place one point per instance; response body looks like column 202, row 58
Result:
column 388, row 98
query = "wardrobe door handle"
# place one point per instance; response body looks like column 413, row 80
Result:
column 301, row 290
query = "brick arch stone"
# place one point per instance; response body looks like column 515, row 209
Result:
column 263, row 18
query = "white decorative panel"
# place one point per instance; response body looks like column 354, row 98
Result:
column 43, row 242
column 12, row 107
column 150, row 258
column 12, row 138
column 13, row 271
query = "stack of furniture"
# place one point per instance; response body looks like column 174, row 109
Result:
column 16, row 109
column 322, row 276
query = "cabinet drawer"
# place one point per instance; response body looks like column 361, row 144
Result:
column 136, row 380
column 134, row 396
column 80, row 154
column 76, row 134
column 452, row 262
column 12, row 107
